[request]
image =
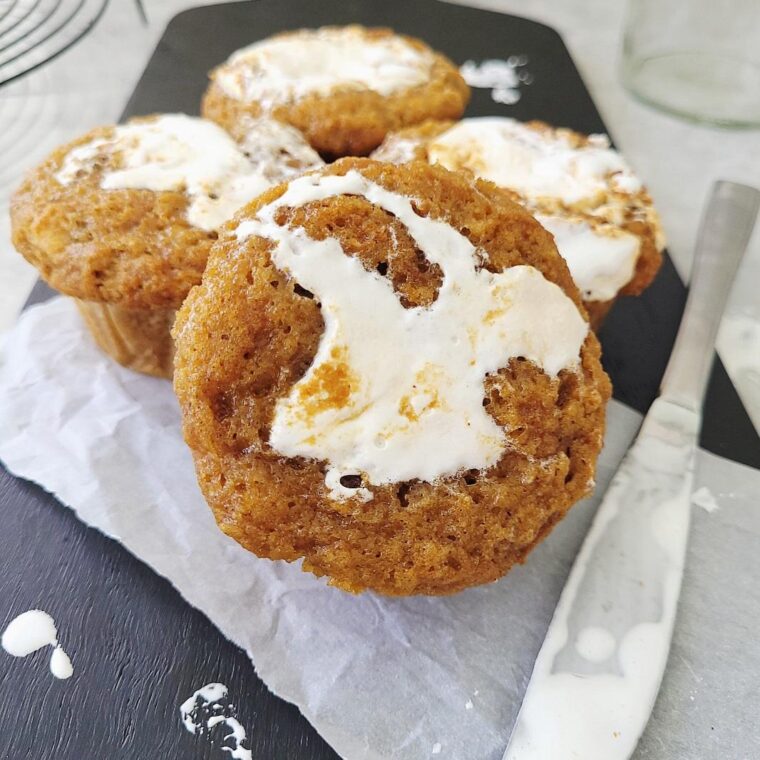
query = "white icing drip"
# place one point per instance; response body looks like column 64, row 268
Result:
column 409, row 394
column 317, row 61
column 182, row 153
column 195, row 718
column 704, row 497
column 595, row 644
column 503, row 78
column 536, row 164
column 29, row 632
column 60, row 664
column 436, row 750
column 33, row 630
column 601, row 258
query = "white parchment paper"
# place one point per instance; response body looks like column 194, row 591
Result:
column 379, row 678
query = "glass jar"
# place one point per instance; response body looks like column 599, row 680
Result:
column 699, row 59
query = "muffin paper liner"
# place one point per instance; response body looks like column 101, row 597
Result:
column 139, row 339
column 379, row 678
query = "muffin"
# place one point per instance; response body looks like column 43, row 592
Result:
column 123, row 218
column 388, row 372
column 581, row 190
column 345, row 88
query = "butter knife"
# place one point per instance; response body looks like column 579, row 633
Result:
column 597, row 675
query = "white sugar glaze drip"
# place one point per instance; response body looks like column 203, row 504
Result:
column 33, row 630
column 316, row 62
column 503, row 78
column 601, row 259
column 181, row 153
column 704, row 497
column 534, row 163
column 205, row 709
column 411, row 379
column 597, row 675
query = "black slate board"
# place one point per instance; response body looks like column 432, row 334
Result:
column 139, row 650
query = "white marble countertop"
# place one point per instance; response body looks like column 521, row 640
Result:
column 89, row 84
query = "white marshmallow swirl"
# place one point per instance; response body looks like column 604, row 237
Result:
column 533, row 162
column 396, row 393
column 291, row 66
column 182, row 153
column 547, row 170
column 601, row 257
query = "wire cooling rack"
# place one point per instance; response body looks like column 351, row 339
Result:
column 33, row 32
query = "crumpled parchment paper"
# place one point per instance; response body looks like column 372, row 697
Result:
column 379, row 678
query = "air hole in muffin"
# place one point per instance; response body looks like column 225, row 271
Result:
column 286, row 329
column 568, row 386
column 221, row 406
column 263, row 434
column 470, row 479
column 423, row 265
column 351, row 481
column 570, row 472
column 486, row 401
column 403, row 494
column 299, row 291
column 382, row 268
column 453, row 563
column 417, row 210
column 275, row 283
column 213, row 196
column 213, row 235
column 246, row 355
column 249, row 278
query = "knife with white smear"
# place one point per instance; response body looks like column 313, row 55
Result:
column 597, row 675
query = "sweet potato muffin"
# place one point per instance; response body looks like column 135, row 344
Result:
column 580, row 189
column 387, row 371
column 343, row 87
column 123, row 218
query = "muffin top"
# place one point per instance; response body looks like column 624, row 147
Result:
column 293, row 65
column 343, row 87
column 373, row 347
column 127, row 213
column 367, row 416
column 578, row 187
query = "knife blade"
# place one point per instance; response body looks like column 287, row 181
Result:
column 599, row 669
